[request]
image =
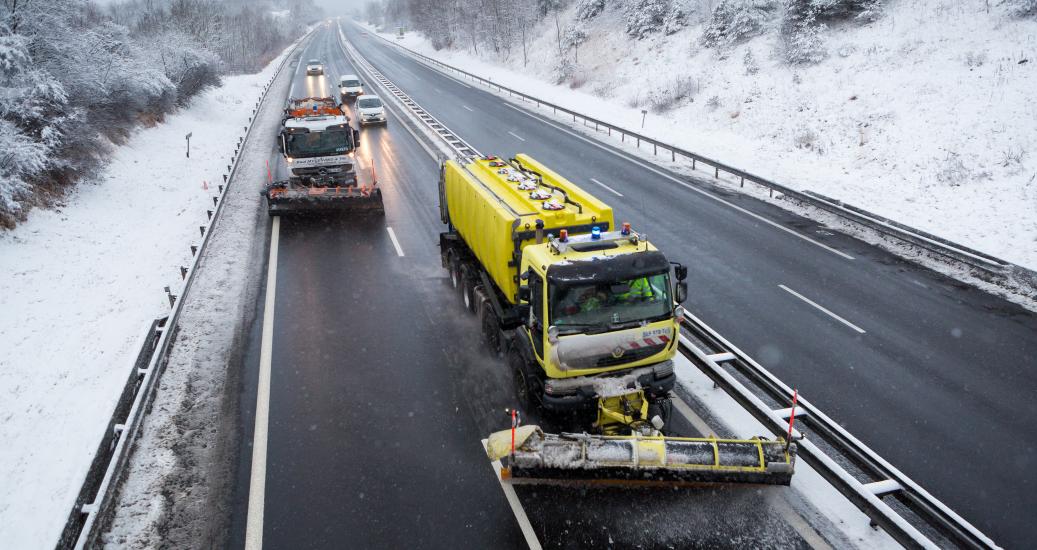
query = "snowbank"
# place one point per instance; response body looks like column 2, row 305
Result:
column 82, row 283
column 925, row 116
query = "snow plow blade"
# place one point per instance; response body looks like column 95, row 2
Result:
column 282, row 201
column 636, row 460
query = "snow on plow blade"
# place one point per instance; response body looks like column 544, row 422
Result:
column 326, row 200
column 638, row 460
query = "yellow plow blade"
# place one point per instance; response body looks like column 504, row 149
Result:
column 539, row 457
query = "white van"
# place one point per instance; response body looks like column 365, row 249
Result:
column 349, row 86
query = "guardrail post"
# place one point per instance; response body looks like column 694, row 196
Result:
column 221, row 189
column 743, row 182
column 215, row 200
column 201, row 230
column 673, row 156
column 171, row 297
column 716, row 172
column 655, row 149
column 194, row 250
column 209, row 212
column 638, row 142
column 693, row 163
column 183, row 272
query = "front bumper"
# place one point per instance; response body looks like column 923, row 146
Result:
column 379, row 119
column 579, row 393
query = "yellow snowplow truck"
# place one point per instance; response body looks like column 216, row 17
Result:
column 587, row 316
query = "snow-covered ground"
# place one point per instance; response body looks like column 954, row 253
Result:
column 925, row 116
column 82, row 283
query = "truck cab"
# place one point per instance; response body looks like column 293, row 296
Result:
column 317, row 141
column 600, row 303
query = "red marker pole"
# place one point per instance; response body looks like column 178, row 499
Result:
column 269, row 175
column 792, row 416
column 514, row 424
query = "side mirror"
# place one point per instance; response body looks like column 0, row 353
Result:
column 682, row 291
column 681, row 271
column 356, row 138
column 280, row 144
column 523, row 294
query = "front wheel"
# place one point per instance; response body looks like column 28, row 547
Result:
column 522, row 379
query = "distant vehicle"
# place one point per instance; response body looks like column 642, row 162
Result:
column 349, row 87
column 369, row 110
column 363, row 33
column 314, row 66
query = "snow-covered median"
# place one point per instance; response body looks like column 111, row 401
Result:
column 924, row 116
column 82, row 283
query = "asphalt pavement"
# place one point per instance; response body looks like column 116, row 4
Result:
column 380, row 394
column 936, row 376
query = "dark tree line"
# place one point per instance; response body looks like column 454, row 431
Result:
column 76, row 77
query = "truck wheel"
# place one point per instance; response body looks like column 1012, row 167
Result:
column 455, row 270
column 491, row 329
column 524, row 389
column 468, row 294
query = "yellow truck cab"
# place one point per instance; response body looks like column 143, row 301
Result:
column 581, row 309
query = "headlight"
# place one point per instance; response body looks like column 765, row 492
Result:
column 289, row 159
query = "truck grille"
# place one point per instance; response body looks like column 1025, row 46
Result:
column 629, row 356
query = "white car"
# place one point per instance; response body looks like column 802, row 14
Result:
column 369, row 110
column 349, row 87
column 314, row 66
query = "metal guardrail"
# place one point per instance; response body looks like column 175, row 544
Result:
column 710, row 352
column 95, row 498
column 982, row 265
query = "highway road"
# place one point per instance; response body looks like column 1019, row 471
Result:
column 936, row 376
column 380, row 393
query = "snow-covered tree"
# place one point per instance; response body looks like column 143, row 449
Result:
column 587, row 9
column 735, row 20
column 573, row 36
column 677, row 16
column 644, row 17
column 1022, row 8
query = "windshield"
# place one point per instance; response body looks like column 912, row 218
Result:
column 314, row 62
column 314, row 144
column 607, row 305
column 351, row 83
column 369, row 103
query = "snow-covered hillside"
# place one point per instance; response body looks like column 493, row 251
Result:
column 925, row 114
column 81, row 285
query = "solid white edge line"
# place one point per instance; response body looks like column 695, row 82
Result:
column 822, row 308
column 516, row 136
column 694, row 419
column 516, row 507
column 395, row 243
column 684, row 184
column 469, row 108
column 618, row 194
column 257, row 485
